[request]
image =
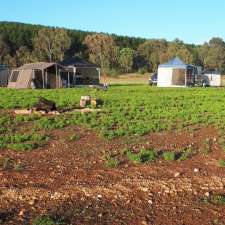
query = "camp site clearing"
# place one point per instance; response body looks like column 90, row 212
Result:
column 150, row 156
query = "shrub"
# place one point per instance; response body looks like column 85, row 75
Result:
column 169, row 156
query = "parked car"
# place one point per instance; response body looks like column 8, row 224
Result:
column 153, row 79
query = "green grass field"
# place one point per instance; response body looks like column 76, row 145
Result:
column 127, row 110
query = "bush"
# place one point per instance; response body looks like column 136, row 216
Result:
column 169, row 156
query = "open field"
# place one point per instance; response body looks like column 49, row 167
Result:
column 134, row 78
column 151, row 156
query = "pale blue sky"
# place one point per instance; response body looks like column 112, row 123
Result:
column 193, row 21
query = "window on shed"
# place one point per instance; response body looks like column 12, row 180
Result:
column 14, row 76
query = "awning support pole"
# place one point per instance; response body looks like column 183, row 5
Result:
column 43, row 78
column 68, row 79
column 185, row 77
column 74, row 75
column 59, row 79
column 56, row 74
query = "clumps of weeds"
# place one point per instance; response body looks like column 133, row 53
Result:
column 169, row 156
column 221, row 142
column 74, row 137
column 46, row 220
column 7, row 163
column 111, row 162
column 22, row 142
column 206, row 147
column 185, row 154
column 221, row 162
column 216, row 199
column 145, row 155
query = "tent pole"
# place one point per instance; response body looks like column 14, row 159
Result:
column 185, row 77
column 99, row 73
column 56, row 75
column 46, row 78
column 43, row 78
column 68, row 79
column 59, row 78
column 74, row 75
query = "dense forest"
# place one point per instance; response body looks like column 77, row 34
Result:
column 23, row 43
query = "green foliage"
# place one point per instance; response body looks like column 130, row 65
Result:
column 126, row 57
column 22, row 142
column 221, row 162
column 150, row 109
column 145, row 155
column 45, row 220
column 111, row 162
column 74, row 137
column 169, row 156
column 23, row 43
column 186, row 154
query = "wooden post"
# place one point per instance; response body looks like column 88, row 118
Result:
column 185, row 77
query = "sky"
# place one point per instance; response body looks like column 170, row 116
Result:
column 193, row 21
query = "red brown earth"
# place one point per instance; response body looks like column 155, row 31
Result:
column 70, row 180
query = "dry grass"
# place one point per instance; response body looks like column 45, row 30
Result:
column 132, row 78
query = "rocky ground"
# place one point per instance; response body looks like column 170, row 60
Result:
column 68, row 181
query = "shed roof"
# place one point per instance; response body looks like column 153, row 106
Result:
column 174, row 63
column 37, row 66
column 77, row 62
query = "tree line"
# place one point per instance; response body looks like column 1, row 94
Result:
column 25, row 43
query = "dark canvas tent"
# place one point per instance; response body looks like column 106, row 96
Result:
column 175, row 73
column 78, row 71
column 42, row 74
column 4, row 75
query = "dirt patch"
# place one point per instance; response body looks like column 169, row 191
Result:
column 68, row 179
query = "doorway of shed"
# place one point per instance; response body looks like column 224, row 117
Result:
column 178, row 77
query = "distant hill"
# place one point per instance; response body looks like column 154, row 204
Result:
column 21, row 34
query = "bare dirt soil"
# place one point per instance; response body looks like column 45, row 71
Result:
column 69, row 180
